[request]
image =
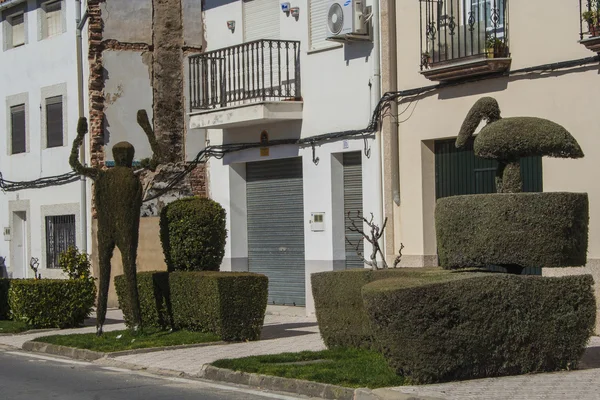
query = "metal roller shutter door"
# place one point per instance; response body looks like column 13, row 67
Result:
column 261, row 19
column 353, row 202
column 276, row 227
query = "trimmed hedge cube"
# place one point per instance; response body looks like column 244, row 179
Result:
column 229, row 304
column 525, row 229
column 51, row 303
column 339, row 305
column 477, row 325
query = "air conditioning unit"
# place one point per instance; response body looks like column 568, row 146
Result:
column 347, row 20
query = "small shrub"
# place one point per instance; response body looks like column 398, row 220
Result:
column 229, row 304
column 193, row 234
column 75, row 264
column 526, row 229
column 477, row 325
column 339, row 306
column 51, row 303
column 4, row 307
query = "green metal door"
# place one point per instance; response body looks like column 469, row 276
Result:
column 459, row 172
column 275, row 205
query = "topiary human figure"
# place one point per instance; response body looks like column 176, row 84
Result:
column 118, row 194
column 507, row 140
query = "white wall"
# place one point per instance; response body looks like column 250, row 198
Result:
column 337, row 97
column 28, row 69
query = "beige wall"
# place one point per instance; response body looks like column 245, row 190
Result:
column 149, row 257
column 568, row 97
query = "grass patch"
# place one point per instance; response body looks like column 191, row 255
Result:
column 7, row 326
column 126, row 340
column 344, row 367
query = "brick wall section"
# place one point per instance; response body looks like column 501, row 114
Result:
column 96, row 83
column 198, row 181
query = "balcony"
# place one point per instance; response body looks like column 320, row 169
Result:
column 589, row 24
column 463, row 38
column 247, row 84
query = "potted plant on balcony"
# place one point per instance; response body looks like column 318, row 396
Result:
column 495, row 47
column 426, row 59
column 591, row 17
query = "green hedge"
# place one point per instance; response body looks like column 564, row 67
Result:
column 482, row 325
column 51, row 303
column 4, row 307
column 339, row 306
column 229, row 304
column 193, row 234
column 526, row 229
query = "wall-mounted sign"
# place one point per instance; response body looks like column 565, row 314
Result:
column 264, row 140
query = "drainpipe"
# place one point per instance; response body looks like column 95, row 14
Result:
column 376, row 96
column 80, row 23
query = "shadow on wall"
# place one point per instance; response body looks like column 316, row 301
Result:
column 356, row 50
column 210, row 4
column 3, row 270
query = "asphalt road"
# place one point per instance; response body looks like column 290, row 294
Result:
column 27, row 376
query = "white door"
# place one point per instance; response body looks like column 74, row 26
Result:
column 19, row 245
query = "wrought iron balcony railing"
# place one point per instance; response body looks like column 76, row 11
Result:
column 250, row 72
column 459, row 30
column 589, row 22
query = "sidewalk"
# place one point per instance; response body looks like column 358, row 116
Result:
column 293, row 333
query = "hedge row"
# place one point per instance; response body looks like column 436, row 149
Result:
column 4, row 306
column 51, row 303
column 229, row 304
column 481, row 325
column 339, row 306
column 525, row 229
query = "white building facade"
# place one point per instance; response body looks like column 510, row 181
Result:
column 268, row 74
column 38, row 118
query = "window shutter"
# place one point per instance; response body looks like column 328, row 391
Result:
column 54, row 122
column 261, row 19
column 53, row 19
column 318, row 24
column 17, row 123
column 18, row 30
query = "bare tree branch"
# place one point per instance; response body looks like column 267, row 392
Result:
column 373, row 237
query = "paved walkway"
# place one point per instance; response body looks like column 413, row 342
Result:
column 291, row 333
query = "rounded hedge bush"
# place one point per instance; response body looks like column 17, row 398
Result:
column 193, row 234
column 51, row 303
column 476, row 325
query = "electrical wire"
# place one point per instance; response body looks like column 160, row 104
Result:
column 219, row 151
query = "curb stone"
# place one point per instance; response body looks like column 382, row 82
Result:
column 90, row 355
column 302, row 387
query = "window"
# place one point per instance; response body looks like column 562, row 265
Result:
column 54, row 121
column 60, row 234
column 18, row 132
column 52, row 19
column 318, row 24
column 17, row 30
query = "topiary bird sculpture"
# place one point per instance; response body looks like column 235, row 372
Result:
column 507, row 140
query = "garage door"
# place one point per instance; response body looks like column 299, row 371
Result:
column 276, row 227
column 353, row 202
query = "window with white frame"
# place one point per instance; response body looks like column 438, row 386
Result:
column 60, row 235
column 318, row 24
column 16, row 30
column 54, row 121
column 52, row 18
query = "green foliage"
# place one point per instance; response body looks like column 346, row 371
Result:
column 128, row 340
column 229, row 304
column 154, row 298
column 481, row 325
column 339, row 307
column 75, row 264
column 7, row 326
column 525, row 229
column 344, row 367
column 193, row 234
column 50, row 303
column 4, row 306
